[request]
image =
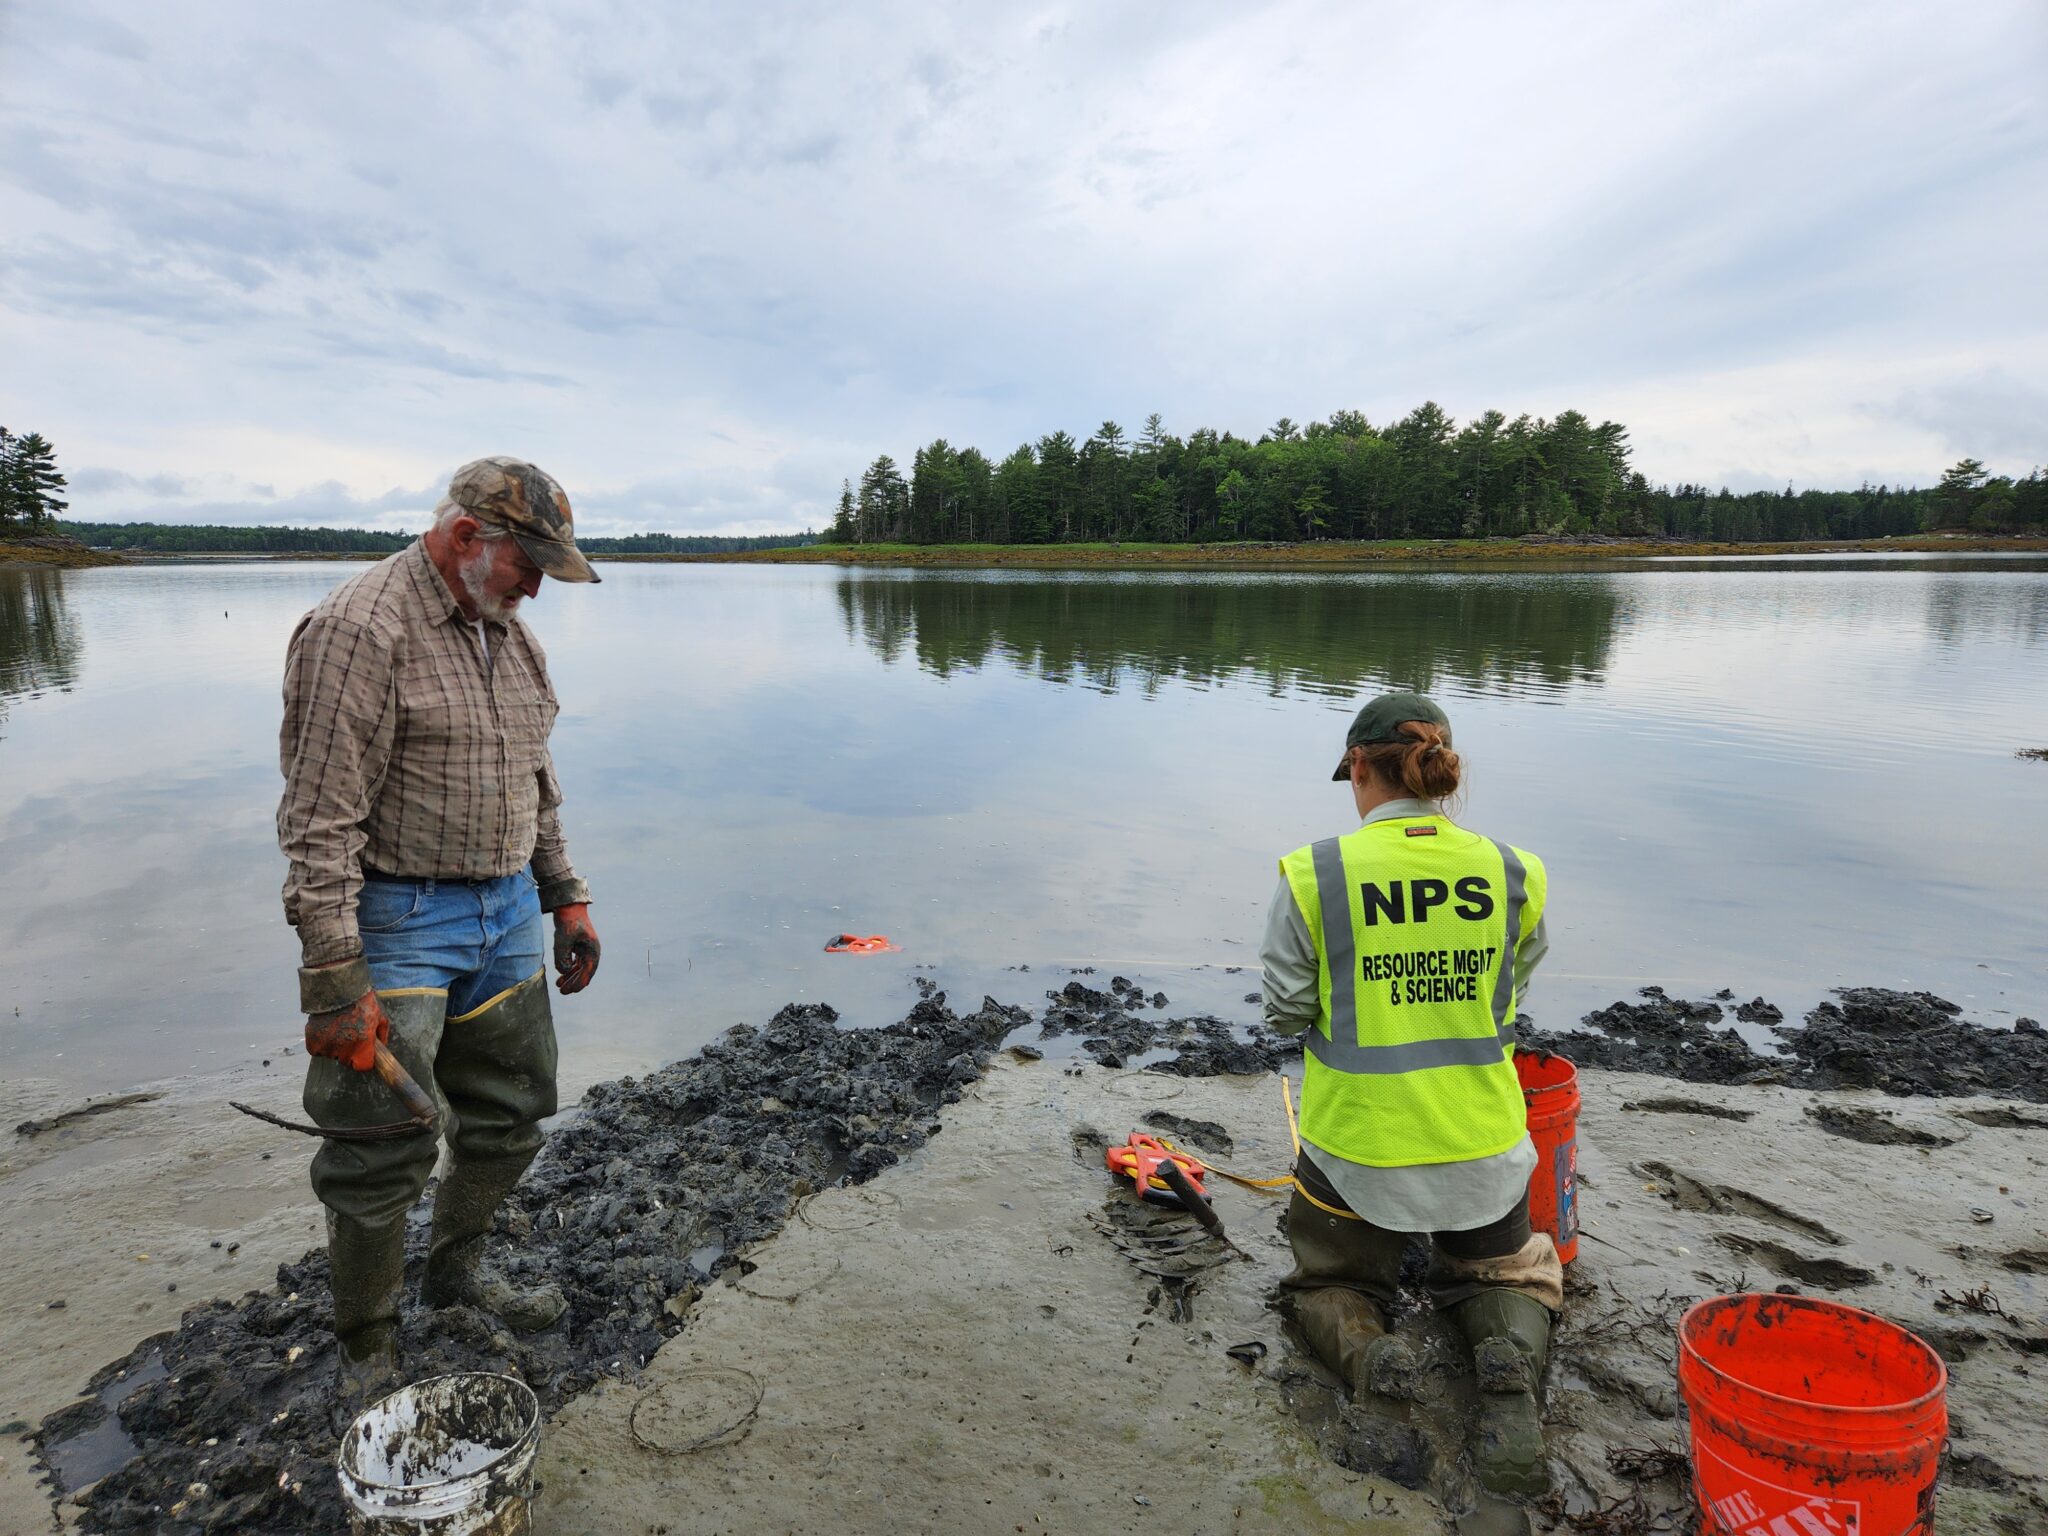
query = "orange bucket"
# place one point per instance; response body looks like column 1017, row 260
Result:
column 1810, row 1418
column 1550, row 1089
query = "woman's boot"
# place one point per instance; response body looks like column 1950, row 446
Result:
column 1510, row 1338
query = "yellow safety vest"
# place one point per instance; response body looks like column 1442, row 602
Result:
column 1415, row 923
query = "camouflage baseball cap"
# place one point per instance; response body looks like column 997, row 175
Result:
column 1382, row 719
column 513, row 495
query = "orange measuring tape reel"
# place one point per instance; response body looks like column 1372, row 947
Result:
column 1138, row 1160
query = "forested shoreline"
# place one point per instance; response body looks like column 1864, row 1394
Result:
column 1342, row 480
column 1422, row 477
column 277, row 539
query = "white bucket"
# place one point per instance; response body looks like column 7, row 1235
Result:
column 451, row 1455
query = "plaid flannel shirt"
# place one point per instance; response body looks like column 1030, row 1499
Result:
column 407, row 749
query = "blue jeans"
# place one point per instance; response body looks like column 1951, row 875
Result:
column 459, row 970
column 474, row 940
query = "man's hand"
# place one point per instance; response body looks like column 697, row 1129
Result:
column 349, row 1035
column 576, row 948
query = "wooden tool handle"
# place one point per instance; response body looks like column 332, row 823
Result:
column 417, row 1103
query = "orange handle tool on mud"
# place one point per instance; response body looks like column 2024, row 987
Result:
column 399, row 1081
column 1139, row 1158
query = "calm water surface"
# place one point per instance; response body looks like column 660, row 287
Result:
column 1774, row 779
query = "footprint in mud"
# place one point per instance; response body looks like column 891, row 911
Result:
column 1163, row 1242
column 1871, row 1128
column 2001, row 1119
column 1954, row 1345
column 1829, row 1274
column 2025, row 1261
column 1689, row 1107
column 1691, row 1194
column 1089, row 1145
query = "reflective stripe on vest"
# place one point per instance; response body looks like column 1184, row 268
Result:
column 1345, row 1054
column 1432, row 916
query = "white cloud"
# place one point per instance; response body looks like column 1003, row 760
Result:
column 702, row 265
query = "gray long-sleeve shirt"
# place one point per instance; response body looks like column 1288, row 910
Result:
column 1428, row 1197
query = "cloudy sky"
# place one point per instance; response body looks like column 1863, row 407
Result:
column 265, row 263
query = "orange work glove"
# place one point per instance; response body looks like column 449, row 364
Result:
column 576, row 947
column 349, row 1035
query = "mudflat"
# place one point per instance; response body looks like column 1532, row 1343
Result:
column 880, row 1280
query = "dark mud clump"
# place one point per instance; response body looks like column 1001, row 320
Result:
column 1870, row 1037
column 633, row 1204
column 2000, row 1118
column 1665, row 1035
column 1871, row 1128
column 1689, row 1107
column 1202, row 1135
column 1116, row 1034
column 1917, row 1043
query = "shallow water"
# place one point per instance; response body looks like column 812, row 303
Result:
column 1775, row 779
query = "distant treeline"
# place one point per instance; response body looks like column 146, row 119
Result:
column 1422, row 477
column 205, row 538
column 693, row 543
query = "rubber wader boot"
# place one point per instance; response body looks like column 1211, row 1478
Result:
column 1348, row 1333
column 366, row 1268
column 468, row 1198
column 1510, row 1338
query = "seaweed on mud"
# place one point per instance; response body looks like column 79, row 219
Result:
column 633, row 1202
column 1648, row 1461
column 1973, row 1299
column 1628, row 1515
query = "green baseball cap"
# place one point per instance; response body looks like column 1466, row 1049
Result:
column 1381, row 720
column 511, row 494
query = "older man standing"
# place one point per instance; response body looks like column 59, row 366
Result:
column 421, row 821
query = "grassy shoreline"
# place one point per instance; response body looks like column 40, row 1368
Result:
column 51, row 554
column 1319, row 555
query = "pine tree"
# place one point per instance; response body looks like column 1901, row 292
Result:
column 841, row 531
column 12, row 501
column 35, row 479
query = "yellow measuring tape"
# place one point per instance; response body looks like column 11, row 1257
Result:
column 1286, row 1180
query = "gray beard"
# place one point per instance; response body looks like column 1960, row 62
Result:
column 474, row 572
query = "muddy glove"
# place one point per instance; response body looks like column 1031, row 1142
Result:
column 576, row 948
column 349, row 1035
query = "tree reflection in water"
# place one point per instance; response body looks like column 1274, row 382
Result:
column 1513, row 633
column 40, row 642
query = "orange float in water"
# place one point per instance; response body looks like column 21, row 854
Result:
column 859, row 944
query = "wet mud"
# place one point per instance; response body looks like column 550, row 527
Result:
column 634, row 1203
column 1871, row 1127
column 1903, row 1043
column 656, row 1184
column 1673, row 1106
column 1116, row 1030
